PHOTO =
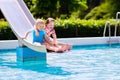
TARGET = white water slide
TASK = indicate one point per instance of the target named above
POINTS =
(20, 20)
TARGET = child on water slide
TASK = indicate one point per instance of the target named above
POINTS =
(41, 38)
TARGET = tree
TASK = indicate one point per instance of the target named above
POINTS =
(107, 9)
(69, 6)
(114, 6)
(29, 3)
(44, 8)
(55, 8)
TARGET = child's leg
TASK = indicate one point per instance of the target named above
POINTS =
(53, 48)
(65, 47)
(69, 47)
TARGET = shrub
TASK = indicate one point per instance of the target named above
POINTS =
(5, 31)
(82, 28)
(101, 12)
(68, 28)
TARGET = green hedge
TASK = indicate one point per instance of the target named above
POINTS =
(82, 28)
(6, 32)
(67, 28)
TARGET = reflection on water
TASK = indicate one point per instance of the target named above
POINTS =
(9, 62)
(86, 63)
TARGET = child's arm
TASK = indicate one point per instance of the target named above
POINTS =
(48, 40)
(54, 37)
(36, 31)
(26, 34)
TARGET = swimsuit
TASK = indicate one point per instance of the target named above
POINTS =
(39, 38)
(49, 31)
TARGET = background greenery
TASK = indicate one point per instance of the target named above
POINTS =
(5, 31)
(74, 18)
(83, 9)
(67, 28)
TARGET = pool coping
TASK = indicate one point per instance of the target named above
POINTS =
(12, 44)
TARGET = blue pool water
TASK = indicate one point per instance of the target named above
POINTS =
(81, 63)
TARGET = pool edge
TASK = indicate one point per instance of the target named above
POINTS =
(12, 44)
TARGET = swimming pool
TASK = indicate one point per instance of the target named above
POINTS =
(96, 62)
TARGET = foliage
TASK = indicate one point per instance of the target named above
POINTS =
(44, 8)
(68, 28)
(73, 27)
(99, 12)
(55, 8)
(5, 31)
(79, 28)
(69, 6)
(84, 9)
(114, 6)
(29, 3)
(106, 10)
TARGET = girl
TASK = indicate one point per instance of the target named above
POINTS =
(50, 31)
(40, 37)
(37, 38)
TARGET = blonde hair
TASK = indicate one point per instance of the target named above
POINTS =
(49, 20)
(36, 25)
(39, 21)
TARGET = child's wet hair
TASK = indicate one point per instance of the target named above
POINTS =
(39, 21)
(48, 20)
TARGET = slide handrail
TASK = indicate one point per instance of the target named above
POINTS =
(117, 21)
(107, 24)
